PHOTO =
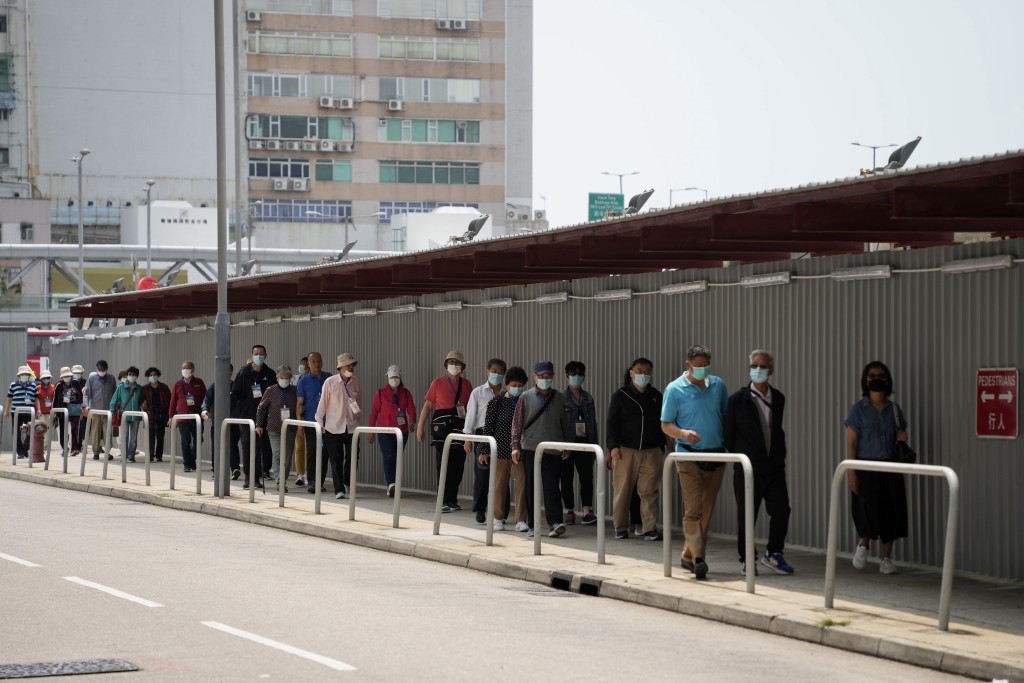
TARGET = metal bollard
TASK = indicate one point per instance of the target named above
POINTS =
(21, 410)
(285, 424)
(90, 426)
(355, 459)
(54, 412)
(174, 442)
(124, 442)
(252, 449)
(600, 473)
(478, 438)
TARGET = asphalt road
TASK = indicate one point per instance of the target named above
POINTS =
(191, 597)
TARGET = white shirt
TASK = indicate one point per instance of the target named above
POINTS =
(476, 410)
(334, 411)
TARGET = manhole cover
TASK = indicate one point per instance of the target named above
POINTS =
(83, 666)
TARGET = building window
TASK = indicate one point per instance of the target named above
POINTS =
(429, 9)
(3, 23)
(342, 8)
(429, 48)
(337, 170)
(302, 210)
(299, 85)
(273, 126)
(428, 130)
(389, 209)
(278, 168)
(430, 172)
(27, 232)
(5, 156)
(457, 90)
(296, 43)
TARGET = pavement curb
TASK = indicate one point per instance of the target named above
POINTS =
(803, 627)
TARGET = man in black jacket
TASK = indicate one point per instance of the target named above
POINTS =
(246, 391)
(753, 426)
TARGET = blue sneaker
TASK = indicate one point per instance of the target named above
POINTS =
(776, 562)
(743, 569)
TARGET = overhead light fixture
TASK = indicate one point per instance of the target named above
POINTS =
(158, 330)
(178, 330)
(614, 295)
(199, 328)
(497, 303)
(365, 312)
(556, 298)
(300, 318)
(406, 308)
(245, 323)
(139, 333)
(123, 335)
(449, 306)
(107, 335)
(685, 287)
(89, 337)
(765, 280)
(270, 321)
(862, 273)
(972, 265)
(332, 315)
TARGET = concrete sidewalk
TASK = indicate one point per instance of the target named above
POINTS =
(893, 617)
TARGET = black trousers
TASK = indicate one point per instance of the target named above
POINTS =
(770, 488)
(456, 466)
(235, 460)
(584, 464)
(189, 445)
(21, 445)
(263, 454)
(550, 474)
(338, 448)
(311, 457)
(156, 441)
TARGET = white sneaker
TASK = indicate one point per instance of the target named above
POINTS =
(340, 495)
(300, 480)
(557, 530)
(522, 526)
(887, 566)
(499, 525)
(860, 557)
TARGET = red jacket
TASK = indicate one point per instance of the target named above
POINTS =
(384, 412)
(183, 388)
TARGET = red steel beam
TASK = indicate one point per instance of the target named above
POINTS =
(975, 202)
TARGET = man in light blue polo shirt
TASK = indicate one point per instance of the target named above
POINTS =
(692, 412)
(308, 391)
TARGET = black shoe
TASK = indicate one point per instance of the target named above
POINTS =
(236, 473)
(688, 566)
(700, 569)
(109, 456)
(245, 485)
(652, 535)
(455, 507)
(622, 534)
(131, 458)
(311, 489)
(481, 518)
(159, 458)
(189, 469)
(95, 456)
(152, 459)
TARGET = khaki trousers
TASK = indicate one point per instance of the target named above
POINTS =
(506, 470)
(700, 490)
(641, 469)
(300, 451)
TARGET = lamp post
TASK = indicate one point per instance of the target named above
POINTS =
(620, 175)
(350, 221)
(697, 189)
(81, 224)
(670, 191)
(149, 234)
(874, 150)
(252, 213)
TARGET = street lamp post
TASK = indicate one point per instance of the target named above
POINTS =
(620, 175)
(81, 224)
(252, 214)
(149, 234)
(874, 150)
(698, 189)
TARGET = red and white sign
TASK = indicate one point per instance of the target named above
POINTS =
(997, 403)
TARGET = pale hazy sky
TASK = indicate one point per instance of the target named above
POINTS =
(741, 96)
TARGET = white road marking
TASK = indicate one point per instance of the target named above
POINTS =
(312, 656)
(113, 591)
(17, 560)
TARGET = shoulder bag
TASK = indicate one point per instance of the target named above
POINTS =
(447, 420)
(902, 452)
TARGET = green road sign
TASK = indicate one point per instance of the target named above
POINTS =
(600, 203)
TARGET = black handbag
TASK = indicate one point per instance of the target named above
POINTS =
(447, 421)
(902, 452)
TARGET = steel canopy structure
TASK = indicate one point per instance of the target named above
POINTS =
(920, 207)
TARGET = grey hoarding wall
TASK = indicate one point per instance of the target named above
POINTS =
(932, 329)
(13, 353)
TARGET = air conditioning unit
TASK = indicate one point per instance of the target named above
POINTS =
(510, 214)
(459, 25)
(280, 184)
(395, 105)
(523, 216)
(300, 184)
(252, 15)
(256, 144)
(308, 146)
(382, 122)
(347, 121)
(292, 146)
(273, 144)
(326, 145)
(462, 124)
(540, 215)
(344, 147)
(326, 101)
(344, 103)
(444, 23)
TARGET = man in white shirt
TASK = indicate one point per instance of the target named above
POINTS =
(476, 412)
(338, 413)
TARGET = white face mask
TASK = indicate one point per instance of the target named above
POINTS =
(101, 373)
(347, 374)
(186, 373)
(454, 369)
(76, 376)
(283, 383)
(395, 382)
(23, 378)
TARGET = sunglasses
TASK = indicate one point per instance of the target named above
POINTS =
(760, 367)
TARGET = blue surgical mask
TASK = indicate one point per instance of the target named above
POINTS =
(515, 391)
(758, 375)
(131, 379)
(258, 360)
(576, 380)
(154, 379)
(302, 369)
(543, 384)
(701, 373)
(641, 380)
(283, 383)
(495, 379)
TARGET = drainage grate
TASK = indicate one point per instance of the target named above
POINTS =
(82, 666)
(544, 591)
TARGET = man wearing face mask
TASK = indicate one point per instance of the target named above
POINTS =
(753, 426)
(156, 401)
(99, 389)
(393, 406)
(309, 391)
(127, 396)
(246, 393)
(692, 414)
(445, 405)
(300, 433)
(22, 393)
(581, 416)
(338, 413)
(539, 417)
(476, 412)
(187, 399)
(68, 395)
(276, 406)
(77, 372)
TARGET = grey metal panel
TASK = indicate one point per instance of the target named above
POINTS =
(932, 329)
(13, 354)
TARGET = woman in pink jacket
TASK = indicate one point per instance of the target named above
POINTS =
(393, 406)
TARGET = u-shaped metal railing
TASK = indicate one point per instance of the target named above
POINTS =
(600, 477)
(667, 488)
(21, 410)
(282, 476)
(54, 412)
(478, 438)
(173, 451)
(138, 438)
(400, 436)
(90, 422)
(952, 481)
(252, 450)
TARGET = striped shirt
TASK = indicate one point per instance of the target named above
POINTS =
(268, 412)
(22, 395)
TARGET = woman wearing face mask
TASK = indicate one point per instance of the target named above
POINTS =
(445, 407)
(276, 406)
(635, 446)
(156, 401)
(21, 394)
(68, 395)
(879, 499)
(76, 377)
(393, 406)
(498, 423)
(127, 396)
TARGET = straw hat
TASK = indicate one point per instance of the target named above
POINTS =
(45, 374)
(65, 372)
(346, 359)
(24, 370)
(78, 370)
(455, 356)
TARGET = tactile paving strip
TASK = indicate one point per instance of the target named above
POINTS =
(82, 666)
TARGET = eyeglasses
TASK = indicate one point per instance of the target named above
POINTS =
(876, 377)
(760, 367)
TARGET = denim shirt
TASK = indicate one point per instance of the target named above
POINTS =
(876, 431)
(584, 409)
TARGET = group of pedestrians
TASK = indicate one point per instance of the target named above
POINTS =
(520, 411)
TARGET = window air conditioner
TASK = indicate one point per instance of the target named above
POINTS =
(280, 184)
(256, 144)
(382, 122)
(395, 105)
(344, 147)
(510, 214)
(252, 15)
(459, 24)
(345, 103)
(308, 146)
(463, 124)
(540, 215)
(326, 145)
(524, 216)
(300, 184)
(273, 144)
(326, 101)
(444, 23)
(292, 145)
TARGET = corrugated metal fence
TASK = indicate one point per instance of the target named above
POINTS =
(13, 352)
(932, 329)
